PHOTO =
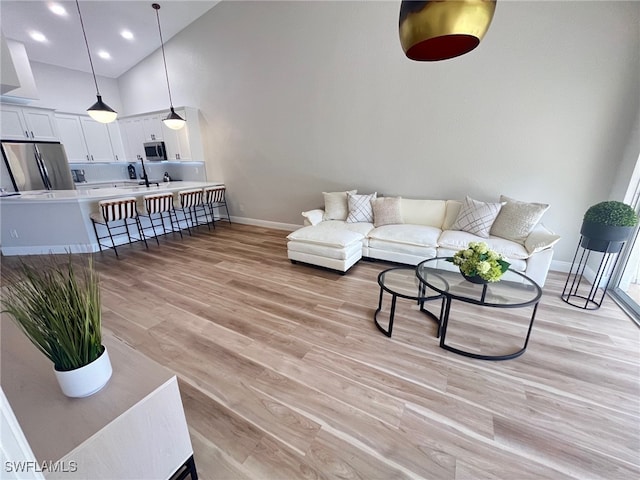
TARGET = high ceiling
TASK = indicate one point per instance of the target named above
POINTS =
(103, 21)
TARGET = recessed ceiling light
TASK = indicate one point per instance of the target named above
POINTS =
(127, 34)
(104, 54)
(37, 36)
(57, 9)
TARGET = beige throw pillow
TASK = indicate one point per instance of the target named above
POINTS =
(386, 211)
(360, 207)
(517, 219)
(476, 217)
(335, 205)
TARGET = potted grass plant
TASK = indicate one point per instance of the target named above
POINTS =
(606, 226)
(58, 308)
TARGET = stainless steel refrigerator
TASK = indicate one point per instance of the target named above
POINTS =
(35, 166)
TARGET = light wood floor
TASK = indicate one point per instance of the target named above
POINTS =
(284, 376)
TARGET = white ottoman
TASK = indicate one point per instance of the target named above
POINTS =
(325, 246)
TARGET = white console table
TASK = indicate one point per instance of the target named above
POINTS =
(134, 428)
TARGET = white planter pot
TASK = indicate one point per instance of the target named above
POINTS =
(87, 380)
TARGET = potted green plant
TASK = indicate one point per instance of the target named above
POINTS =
(606, 226)
(479, 264)
(57, 306)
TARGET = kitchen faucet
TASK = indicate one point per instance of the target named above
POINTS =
(144, 174)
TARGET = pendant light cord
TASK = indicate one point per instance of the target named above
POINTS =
(86, 42)
(166, 73)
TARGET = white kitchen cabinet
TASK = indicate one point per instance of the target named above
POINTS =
(177, 141)
(116, 141)
(133, 137)
(26, 123)
(98, 142)
(184, 144)
(153, 128)
(84, 139)
(72, 138)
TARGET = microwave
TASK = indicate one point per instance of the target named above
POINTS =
(155, 151)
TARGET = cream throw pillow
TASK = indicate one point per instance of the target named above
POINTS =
(386, 211)
(517, 219)
(335, 205)
(360, 207)
(476, 217)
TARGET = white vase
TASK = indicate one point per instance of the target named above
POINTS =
(87, 380)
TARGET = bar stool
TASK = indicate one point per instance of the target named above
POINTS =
(116, 215)
(156, 206)
(190, 202)
(214, 197)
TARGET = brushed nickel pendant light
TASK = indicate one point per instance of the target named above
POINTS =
(99, 111)
(441, 29)
(173, 121)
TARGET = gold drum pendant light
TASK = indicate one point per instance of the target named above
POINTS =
(99, 111)
(442, 29)
(173, 121)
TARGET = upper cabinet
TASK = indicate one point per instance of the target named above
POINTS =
(133, 138)
(27, 123)
(153, 128)
(86, 140)
(184, 144)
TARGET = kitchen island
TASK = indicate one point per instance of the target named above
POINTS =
(58, 221)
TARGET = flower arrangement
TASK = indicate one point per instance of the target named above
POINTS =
(479, 260)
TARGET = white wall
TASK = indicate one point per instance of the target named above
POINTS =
(301, 97)
(72, 91)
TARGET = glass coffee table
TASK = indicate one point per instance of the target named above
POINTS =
(514, 290)
(402, 282)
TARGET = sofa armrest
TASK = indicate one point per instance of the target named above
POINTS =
(313, 217)
(541, 238)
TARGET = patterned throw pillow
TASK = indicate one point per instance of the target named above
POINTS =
(360, 207)
(517, 219)
(476, 217)
(386, 211)
(335, 205)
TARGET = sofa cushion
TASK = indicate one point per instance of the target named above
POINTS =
(453, 208)
(327, 233)
(422, 235)
(324, 250)
(335, 205)
(458, 240)
(423, 212)
(540, 239)
(476, 217)
(360, 209)
(516, 219)
(399, 252)
(313, 217)
(386, 211)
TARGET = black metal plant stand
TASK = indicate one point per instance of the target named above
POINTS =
(579, 298)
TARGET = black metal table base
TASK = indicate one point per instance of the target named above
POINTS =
(420, 299)
(508, 356)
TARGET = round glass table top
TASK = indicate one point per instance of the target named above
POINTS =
(401, 281)
(513, 289)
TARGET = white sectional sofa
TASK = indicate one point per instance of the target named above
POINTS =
(409, 231)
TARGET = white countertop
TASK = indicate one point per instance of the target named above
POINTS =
(52, 196)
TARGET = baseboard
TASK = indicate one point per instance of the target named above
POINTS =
(47, 249)
(290, 227)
